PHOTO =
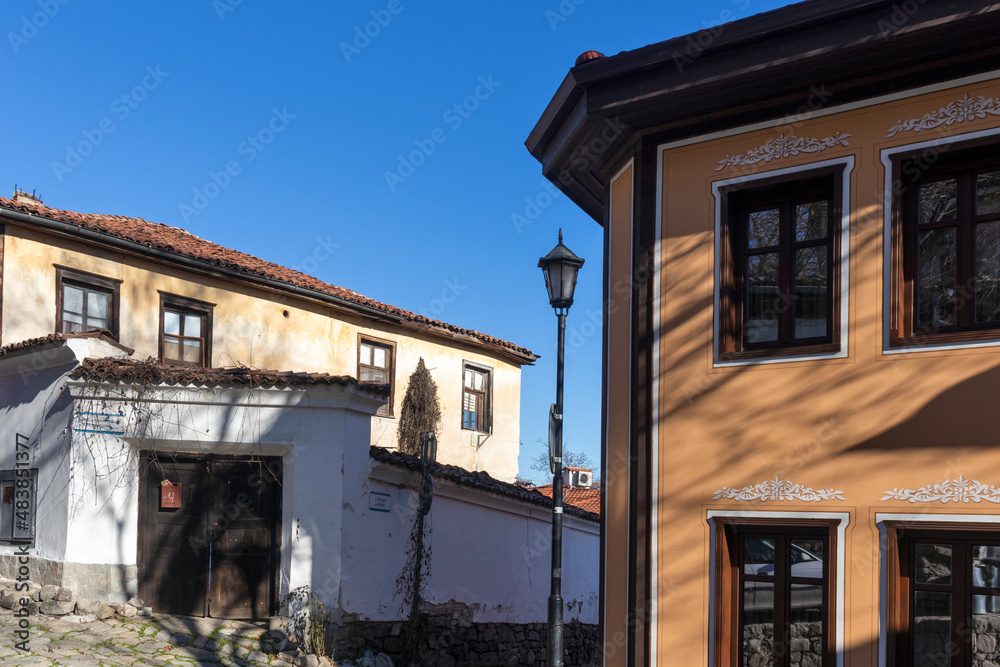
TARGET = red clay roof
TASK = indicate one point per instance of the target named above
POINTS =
(184, 244)
(587, 499)
(116, 371)
(477, 480)
(58, 338)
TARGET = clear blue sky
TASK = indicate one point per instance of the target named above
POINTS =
(130, 108)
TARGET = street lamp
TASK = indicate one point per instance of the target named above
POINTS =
(560, 268)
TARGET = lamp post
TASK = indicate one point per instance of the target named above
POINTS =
(560, 267)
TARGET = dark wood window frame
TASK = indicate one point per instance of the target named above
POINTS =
(901, 538)
(188, 306)
(484, 420)
(784, 191)
(92, 283)
(909, 170)
(729, 579)
(390, 348)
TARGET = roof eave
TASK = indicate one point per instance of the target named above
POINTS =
(82, 234)
(770, 62)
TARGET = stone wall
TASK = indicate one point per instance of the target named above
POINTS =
(447, 643)
(108, 583)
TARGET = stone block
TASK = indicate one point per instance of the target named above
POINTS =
(98, 582)
(56, 608)
(64, 595)
(8, 599)
(104, 611)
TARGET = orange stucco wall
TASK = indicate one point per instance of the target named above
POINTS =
(862, 424)
(616, 455)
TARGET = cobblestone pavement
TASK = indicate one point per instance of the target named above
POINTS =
(165, 640)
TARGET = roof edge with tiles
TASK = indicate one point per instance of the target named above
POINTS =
(480, 481)
(163, 242)
(130, 371)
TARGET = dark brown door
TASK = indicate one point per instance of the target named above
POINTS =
(216, 554)
(242, 521)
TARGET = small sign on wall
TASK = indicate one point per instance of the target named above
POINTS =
(379, 502)
(170, 496)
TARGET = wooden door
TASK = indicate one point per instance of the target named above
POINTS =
(243, 522)
(173, 549)
(217, 554)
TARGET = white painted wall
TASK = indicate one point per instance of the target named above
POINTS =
(490, 553)
(88, 483)
(35, 402)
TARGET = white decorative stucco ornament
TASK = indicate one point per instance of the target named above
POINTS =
(778, 490)
(783, 147)
(959, 490)
(959, 111)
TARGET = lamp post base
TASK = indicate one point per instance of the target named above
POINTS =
(554, 649)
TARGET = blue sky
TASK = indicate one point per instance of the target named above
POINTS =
(279, 130)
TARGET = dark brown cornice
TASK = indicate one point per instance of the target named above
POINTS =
(768, 66)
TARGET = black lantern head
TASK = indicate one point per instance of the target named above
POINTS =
(560, 268)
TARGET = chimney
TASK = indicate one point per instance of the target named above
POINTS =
(581, 477)
(23, 197)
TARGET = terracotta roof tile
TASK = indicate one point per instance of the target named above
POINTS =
(476, 480)
(586, 498)
(147, 372)
(51, 338)
(179, 242)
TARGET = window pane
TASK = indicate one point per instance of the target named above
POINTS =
(97, 305)
(936, 278)
(985, 629)
(192, 351)
(379, 357)
(806, 624)
(72, 322)
(366, 354)
(986, 566)
(938, 201)
(931, 629)
(807, 558)
(932, 563)
(811, 220)
(373, 375)
(763, 302)
(763, 229)
(171, 323)
(468, 379)
(171, 348)
(758, 624)
(811, 291)
(192, 326)
(480, 381)
(988, 193)
(758, 556)
(72, 299)
(988, 271)
(469, 420)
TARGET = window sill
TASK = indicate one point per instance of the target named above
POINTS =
(938, 342)
(774, 356)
